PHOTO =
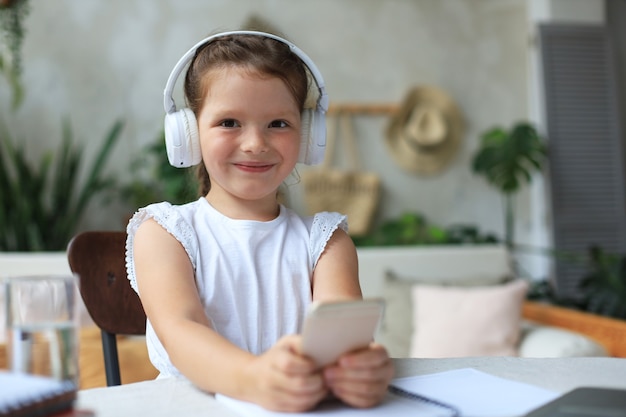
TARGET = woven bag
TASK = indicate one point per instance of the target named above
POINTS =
(352, 191)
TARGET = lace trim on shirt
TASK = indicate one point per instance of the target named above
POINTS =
(166, 216)
(324, 225)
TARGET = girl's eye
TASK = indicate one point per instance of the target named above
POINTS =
(229, 123)
(279, 123)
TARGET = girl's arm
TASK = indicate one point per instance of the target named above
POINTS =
(359, 378)
(279, 379)
(336, 275)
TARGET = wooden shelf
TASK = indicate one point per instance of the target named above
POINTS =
(369, 109)
(609, 332)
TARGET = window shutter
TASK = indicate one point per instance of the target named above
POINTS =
(584, 144)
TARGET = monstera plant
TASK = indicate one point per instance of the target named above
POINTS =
(507, 159)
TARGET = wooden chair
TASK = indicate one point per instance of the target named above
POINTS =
(98, 258)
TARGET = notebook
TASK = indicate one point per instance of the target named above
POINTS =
(464, 392)
(585, 401)
(28, 395)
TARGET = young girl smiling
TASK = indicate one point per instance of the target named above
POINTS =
(226, 280)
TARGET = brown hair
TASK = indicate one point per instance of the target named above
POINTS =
(259, 54)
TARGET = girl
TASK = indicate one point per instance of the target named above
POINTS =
(226, 280)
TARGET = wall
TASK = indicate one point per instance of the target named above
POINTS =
(97, 61)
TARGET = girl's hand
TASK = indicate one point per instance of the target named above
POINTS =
(361, 378)
(285, 380)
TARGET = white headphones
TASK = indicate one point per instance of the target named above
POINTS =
(181, 128)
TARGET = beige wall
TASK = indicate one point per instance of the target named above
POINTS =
(95, 61)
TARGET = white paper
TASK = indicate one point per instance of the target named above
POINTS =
(479, 394)
(474, 393)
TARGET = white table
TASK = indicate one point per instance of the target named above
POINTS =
(177, 397)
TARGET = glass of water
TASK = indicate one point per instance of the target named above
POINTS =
(41, 325)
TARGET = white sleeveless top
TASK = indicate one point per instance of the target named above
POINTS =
(254, 278)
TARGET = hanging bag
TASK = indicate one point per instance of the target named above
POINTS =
(351, 191)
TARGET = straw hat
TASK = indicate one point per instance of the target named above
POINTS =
(426, 132)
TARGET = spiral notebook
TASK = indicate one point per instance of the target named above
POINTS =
(28, 395)
(460, 392)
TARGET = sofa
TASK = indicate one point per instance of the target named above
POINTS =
(393, 273)
(459, 300)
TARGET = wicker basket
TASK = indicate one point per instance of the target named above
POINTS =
(352, 191)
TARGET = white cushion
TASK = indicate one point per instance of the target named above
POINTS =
(552, 342)
(467, 321)
(397, 324)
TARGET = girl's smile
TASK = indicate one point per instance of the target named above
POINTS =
(253, 167)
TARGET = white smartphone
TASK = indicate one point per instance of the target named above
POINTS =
(332, 328)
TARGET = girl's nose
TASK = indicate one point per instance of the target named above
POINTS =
(254, 140)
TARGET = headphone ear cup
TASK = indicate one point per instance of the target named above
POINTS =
(313, 137)
(182, 141)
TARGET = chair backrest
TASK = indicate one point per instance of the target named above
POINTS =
(98, 258)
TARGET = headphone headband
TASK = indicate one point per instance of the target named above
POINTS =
(168, 100)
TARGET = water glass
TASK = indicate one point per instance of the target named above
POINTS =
(41, 325)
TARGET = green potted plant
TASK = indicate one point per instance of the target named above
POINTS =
(155, 180)
(507, 159)
(41, 205)
(414, 229)
(604, 285)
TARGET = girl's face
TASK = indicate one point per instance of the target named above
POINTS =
(249, 129)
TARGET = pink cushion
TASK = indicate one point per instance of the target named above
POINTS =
(467, 321)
